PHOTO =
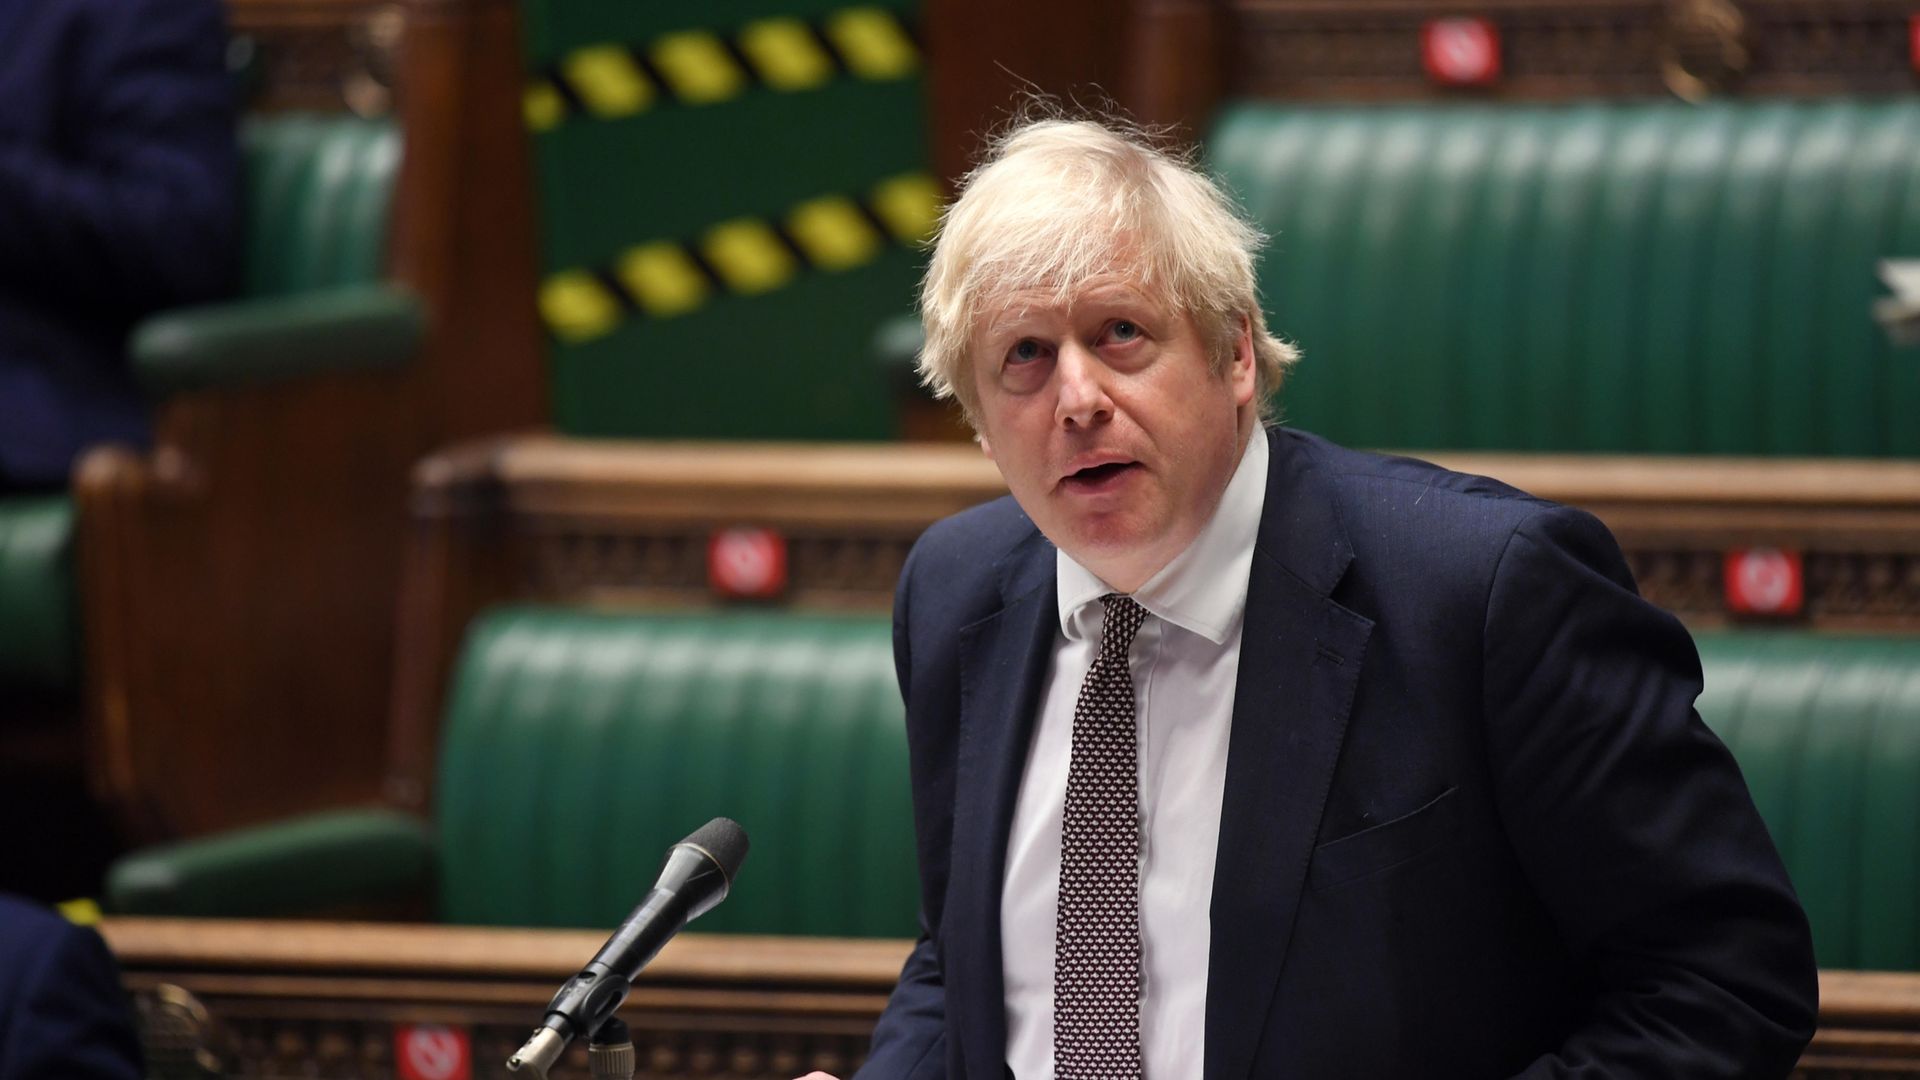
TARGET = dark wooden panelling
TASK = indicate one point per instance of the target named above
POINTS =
(983, 54)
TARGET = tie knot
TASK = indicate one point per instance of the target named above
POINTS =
(1124, 616)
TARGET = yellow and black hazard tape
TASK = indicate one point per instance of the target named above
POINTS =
(744, 256)
(701, 67)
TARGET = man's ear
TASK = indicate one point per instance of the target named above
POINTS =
(1243, 374)
(985, 446)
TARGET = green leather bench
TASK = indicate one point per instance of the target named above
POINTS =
(318, 190)
(577, 747)
(1827, 731)
(1630, 277)
(39, 638)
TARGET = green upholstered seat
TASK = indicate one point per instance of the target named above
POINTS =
(39, 641)
(578, 746)
(318, 192)
(1827, 732)
(1624, 277)
(319, 864)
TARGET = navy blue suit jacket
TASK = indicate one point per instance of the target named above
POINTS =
(1472, 826)
(119, 196)
(63, 1013)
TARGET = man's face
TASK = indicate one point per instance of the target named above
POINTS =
(1110, 428)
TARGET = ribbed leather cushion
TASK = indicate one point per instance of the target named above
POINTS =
(1651, 277)
(1827, 732)
(580, 745)
(318, 190)
(39, 632)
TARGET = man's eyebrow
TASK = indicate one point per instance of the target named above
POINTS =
(1119, 292)
(1005, 321)
(1014, 316)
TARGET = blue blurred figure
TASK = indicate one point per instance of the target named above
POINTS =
(63, 1012)
(119, 196)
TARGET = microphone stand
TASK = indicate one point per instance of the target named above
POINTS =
(698, 874)
(610, 1052)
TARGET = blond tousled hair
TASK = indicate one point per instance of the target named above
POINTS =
(1056, 202)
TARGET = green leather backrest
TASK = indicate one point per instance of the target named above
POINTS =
(39, 641)
(318, 191)
(1827, 731)
(1654, 277)
(580, 745)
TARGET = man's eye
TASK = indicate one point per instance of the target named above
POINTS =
(1123, 331)
(1026, 352)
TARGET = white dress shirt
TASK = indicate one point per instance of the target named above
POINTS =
(1184, 662)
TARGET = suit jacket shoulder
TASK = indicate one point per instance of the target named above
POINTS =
(1423, 531)
(1382, 493)
(63, 1013)
(980, 553)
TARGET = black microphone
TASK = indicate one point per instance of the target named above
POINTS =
(698, 872)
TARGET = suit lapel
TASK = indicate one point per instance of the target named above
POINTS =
(1300, 658)
(1003, 661)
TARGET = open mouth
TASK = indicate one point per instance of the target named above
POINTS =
(1098, 477)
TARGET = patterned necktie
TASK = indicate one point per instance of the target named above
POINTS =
(1096, 979)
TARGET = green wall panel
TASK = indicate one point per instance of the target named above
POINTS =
(778, 346)
(754, 367)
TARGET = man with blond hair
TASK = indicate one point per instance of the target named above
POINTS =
(1239, 754)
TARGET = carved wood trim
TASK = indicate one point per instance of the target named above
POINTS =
(310, 51)
(303, 998)
(1364, 50)
(300, 998)
(626, 523)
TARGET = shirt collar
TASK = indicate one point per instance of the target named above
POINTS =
(1204, 588)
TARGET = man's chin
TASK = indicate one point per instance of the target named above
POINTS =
(1107, 540)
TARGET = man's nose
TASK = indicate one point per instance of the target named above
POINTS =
(1082, 396)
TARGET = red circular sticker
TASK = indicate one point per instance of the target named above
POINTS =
(432, 1052)
(1764, 581)
(747, 562)
(1461, 52)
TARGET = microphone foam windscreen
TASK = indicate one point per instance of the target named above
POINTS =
(725, 840)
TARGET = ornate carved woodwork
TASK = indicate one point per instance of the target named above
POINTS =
(261, 999)
(1362, 50)
(608, 523)
(317, 55)
(265, 1000)
(573, 521)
